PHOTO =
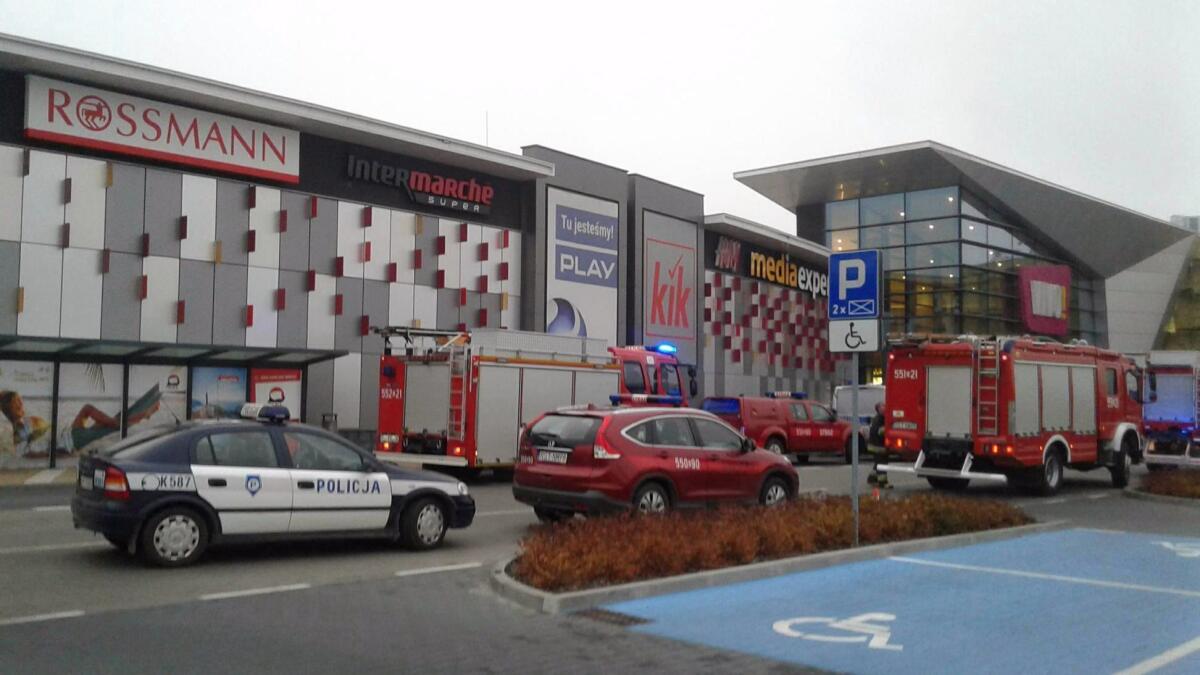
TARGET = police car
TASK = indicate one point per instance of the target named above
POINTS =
(168, 493)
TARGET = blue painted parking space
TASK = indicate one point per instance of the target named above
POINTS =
(1076, 601)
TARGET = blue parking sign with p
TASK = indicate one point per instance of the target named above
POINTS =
(854, 285)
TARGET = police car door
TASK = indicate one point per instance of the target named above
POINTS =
(238, 473)
(334, 485)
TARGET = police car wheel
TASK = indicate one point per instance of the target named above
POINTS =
(423, 525)
(174, 537)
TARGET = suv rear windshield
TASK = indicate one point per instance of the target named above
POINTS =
(564, 430)
(722, 406)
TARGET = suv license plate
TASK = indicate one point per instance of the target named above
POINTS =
(551, 457)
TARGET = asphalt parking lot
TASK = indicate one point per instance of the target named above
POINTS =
(70, 597)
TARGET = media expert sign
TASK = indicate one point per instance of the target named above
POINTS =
(732, 255)
(854, 285)
(1044, 298)
(95, 118)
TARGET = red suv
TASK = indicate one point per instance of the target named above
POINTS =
(652, 459)
(787, 424)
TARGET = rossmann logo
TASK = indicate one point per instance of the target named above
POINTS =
(669, 296)
(729, 255)
(428, 189)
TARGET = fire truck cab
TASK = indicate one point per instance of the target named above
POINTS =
(1171, 422)
(1016, 409)
(460, 399)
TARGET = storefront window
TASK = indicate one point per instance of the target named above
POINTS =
(934, 203)
(882, 209)
(841, 215)
(843, 240)
(929, 231)
(932, 255)
(882, 236)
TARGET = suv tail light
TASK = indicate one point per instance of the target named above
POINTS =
(115, 485)
(600, 448)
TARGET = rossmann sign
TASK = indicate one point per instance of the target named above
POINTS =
(731, 255)
(85, 116)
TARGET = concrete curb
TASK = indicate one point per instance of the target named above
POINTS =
(560, 603)
(1161, 499)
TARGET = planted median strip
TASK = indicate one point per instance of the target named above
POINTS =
(602, 552)
(1182, 483)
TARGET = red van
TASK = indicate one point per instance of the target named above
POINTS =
(787, 423)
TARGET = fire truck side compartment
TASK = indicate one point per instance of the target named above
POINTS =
(427, 397)
(1026, 392)
(948, 413)
(544, 389)
(497, 421)
(596, 386)
(1056, 398)
(1083, 399)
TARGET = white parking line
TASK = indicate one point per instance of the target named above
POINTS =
(56, 507)
(1100, 495)
(1169, 656)
(70, 614)
(50, 547)
(1182, 592)
(442, 568)
(513, 512)
(254, 591)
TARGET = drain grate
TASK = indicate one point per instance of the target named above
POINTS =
(614, 618)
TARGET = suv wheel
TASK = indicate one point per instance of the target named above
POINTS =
(173, 537)
(652, 498)
(776, 446)
(774, 492)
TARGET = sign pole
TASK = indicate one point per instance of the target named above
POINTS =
(854, 441)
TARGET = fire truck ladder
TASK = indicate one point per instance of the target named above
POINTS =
(459, 356)
(987, 388)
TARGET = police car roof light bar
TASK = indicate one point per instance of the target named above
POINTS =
(665, 348)
(621, 399)
(275, 414)
(799, 395)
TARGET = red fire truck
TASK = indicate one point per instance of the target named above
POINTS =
(460, 399)
(1172, 420)
(1020, 409)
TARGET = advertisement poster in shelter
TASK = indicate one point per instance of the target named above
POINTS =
(26, 389)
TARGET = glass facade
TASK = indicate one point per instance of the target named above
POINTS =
(1181, 330)
(950, 262)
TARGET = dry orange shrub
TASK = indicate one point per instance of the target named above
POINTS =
(1178, 483)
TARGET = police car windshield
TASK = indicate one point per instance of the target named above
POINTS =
(138, 445)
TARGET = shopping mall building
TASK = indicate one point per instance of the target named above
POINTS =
(171, 247)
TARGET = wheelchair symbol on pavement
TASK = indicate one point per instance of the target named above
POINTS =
(1181, 550)
(876, 636)
(853, 339)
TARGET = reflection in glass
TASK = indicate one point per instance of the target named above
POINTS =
(843, 240)
(882, 236)
(973, 231)
(882, 209)
(998, 237)
(929, 231)
(932, 255)
(841, 215)
(933, 203)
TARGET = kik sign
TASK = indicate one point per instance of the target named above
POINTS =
(670, 280)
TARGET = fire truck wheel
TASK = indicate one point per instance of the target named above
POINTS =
(423, 525)
(551, 515)
(948, 484)
(1124, 464)
(775, 445)
(1050, 477)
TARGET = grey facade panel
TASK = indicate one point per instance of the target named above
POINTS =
(318, 384)
(121, 310)
(292, 327)
(196, 292)
(10, 266)
(491, 302)
(164, 207)
(426, 242)
(125, 209)
(346, 327)
(293, 244)
(233, 221)
(375, 306)
(447, 308)
(368, 406)
(229, 304)
(322, 238)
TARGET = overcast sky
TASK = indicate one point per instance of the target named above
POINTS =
(1099, 96)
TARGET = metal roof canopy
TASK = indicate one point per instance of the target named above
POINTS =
(1102, 237)
(766, 237)
(120, 351)
(22, 54)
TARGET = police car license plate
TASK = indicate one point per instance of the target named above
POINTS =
(552, 457)
(85, 481)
